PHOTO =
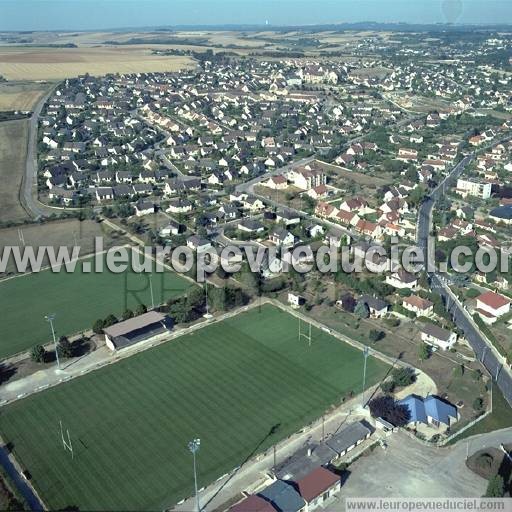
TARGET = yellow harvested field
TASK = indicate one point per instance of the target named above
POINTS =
(21, 96)
(58, 63)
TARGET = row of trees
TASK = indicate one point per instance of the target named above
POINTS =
(65, 350)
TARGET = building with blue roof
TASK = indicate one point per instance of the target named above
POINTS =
(283, 497)
(430, 411)
(502, 214)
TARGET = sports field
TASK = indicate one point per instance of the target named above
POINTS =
(228, 384)
(77, 298)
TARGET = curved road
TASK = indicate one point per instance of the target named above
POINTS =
(28, 191)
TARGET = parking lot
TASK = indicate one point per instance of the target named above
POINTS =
(407, 468)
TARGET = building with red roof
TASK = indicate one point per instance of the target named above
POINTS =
(318, 486)
(492, 306)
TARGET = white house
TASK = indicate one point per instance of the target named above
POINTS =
(402, 279)
(491, 306)
(197, 243)
(435, 336)
(419, 306)
(295, 300)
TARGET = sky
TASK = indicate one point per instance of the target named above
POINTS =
(106, 14)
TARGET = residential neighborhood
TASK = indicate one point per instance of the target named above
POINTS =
(260, 265)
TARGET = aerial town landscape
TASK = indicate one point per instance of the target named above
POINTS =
(221, 367)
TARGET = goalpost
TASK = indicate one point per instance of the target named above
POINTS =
(66, 444)
(307, 333)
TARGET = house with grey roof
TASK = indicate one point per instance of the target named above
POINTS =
(350, 437)
(283, 497)
(136, 329)
(302, 462)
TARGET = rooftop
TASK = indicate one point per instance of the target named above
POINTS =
(134, 324)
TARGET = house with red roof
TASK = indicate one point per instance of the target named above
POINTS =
(491, 306)
(318, 486)
(278, 182)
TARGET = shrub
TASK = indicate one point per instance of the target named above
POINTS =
(98, 326)
(110, 320)
(403, 376)
(38, 354)
(478, 404)
(386, 407)
(392, 322)
(127, 314)
(64, 348)
(141, 309)
(375, 335)
(388, 386)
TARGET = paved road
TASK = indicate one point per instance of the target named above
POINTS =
(483, 348)
(28, 192)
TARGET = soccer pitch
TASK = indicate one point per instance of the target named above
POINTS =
(77, 298)
(228, 383)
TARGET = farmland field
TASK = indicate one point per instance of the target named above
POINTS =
(21, 95)
(58, 233)
(13, 146)
(78, 299)
(50, 63)
(228, 384)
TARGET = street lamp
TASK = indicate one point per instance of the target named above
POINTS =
(193, 446)
(50, 319)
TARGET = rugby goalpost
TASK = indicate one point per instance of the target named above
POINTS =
(66, 443)
(307, 331)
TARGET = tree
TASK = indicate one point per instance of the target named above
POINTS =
(403, 376)
(110, 320)
(64, 348)
(38, 354)
(495, 487)
(387, 408)
(423, 352)
(361, 310)
(348, 303)
(478, 404)
(98, 326)
(388, 386)
(141, 309)
(217, 299)
(375, 335)
(127, 314)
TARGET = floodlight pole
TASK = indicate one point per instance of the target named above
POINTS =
(206, 292)
(193, 446)
(366, 352)
(151, 290)
(50, 319)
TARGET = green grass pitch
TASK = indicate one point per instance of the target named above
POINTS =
(228, 384)
(77, 298)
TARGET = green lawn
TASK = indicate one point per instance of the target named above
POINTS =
(77, 298)
(228, 384)
(500, 417)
